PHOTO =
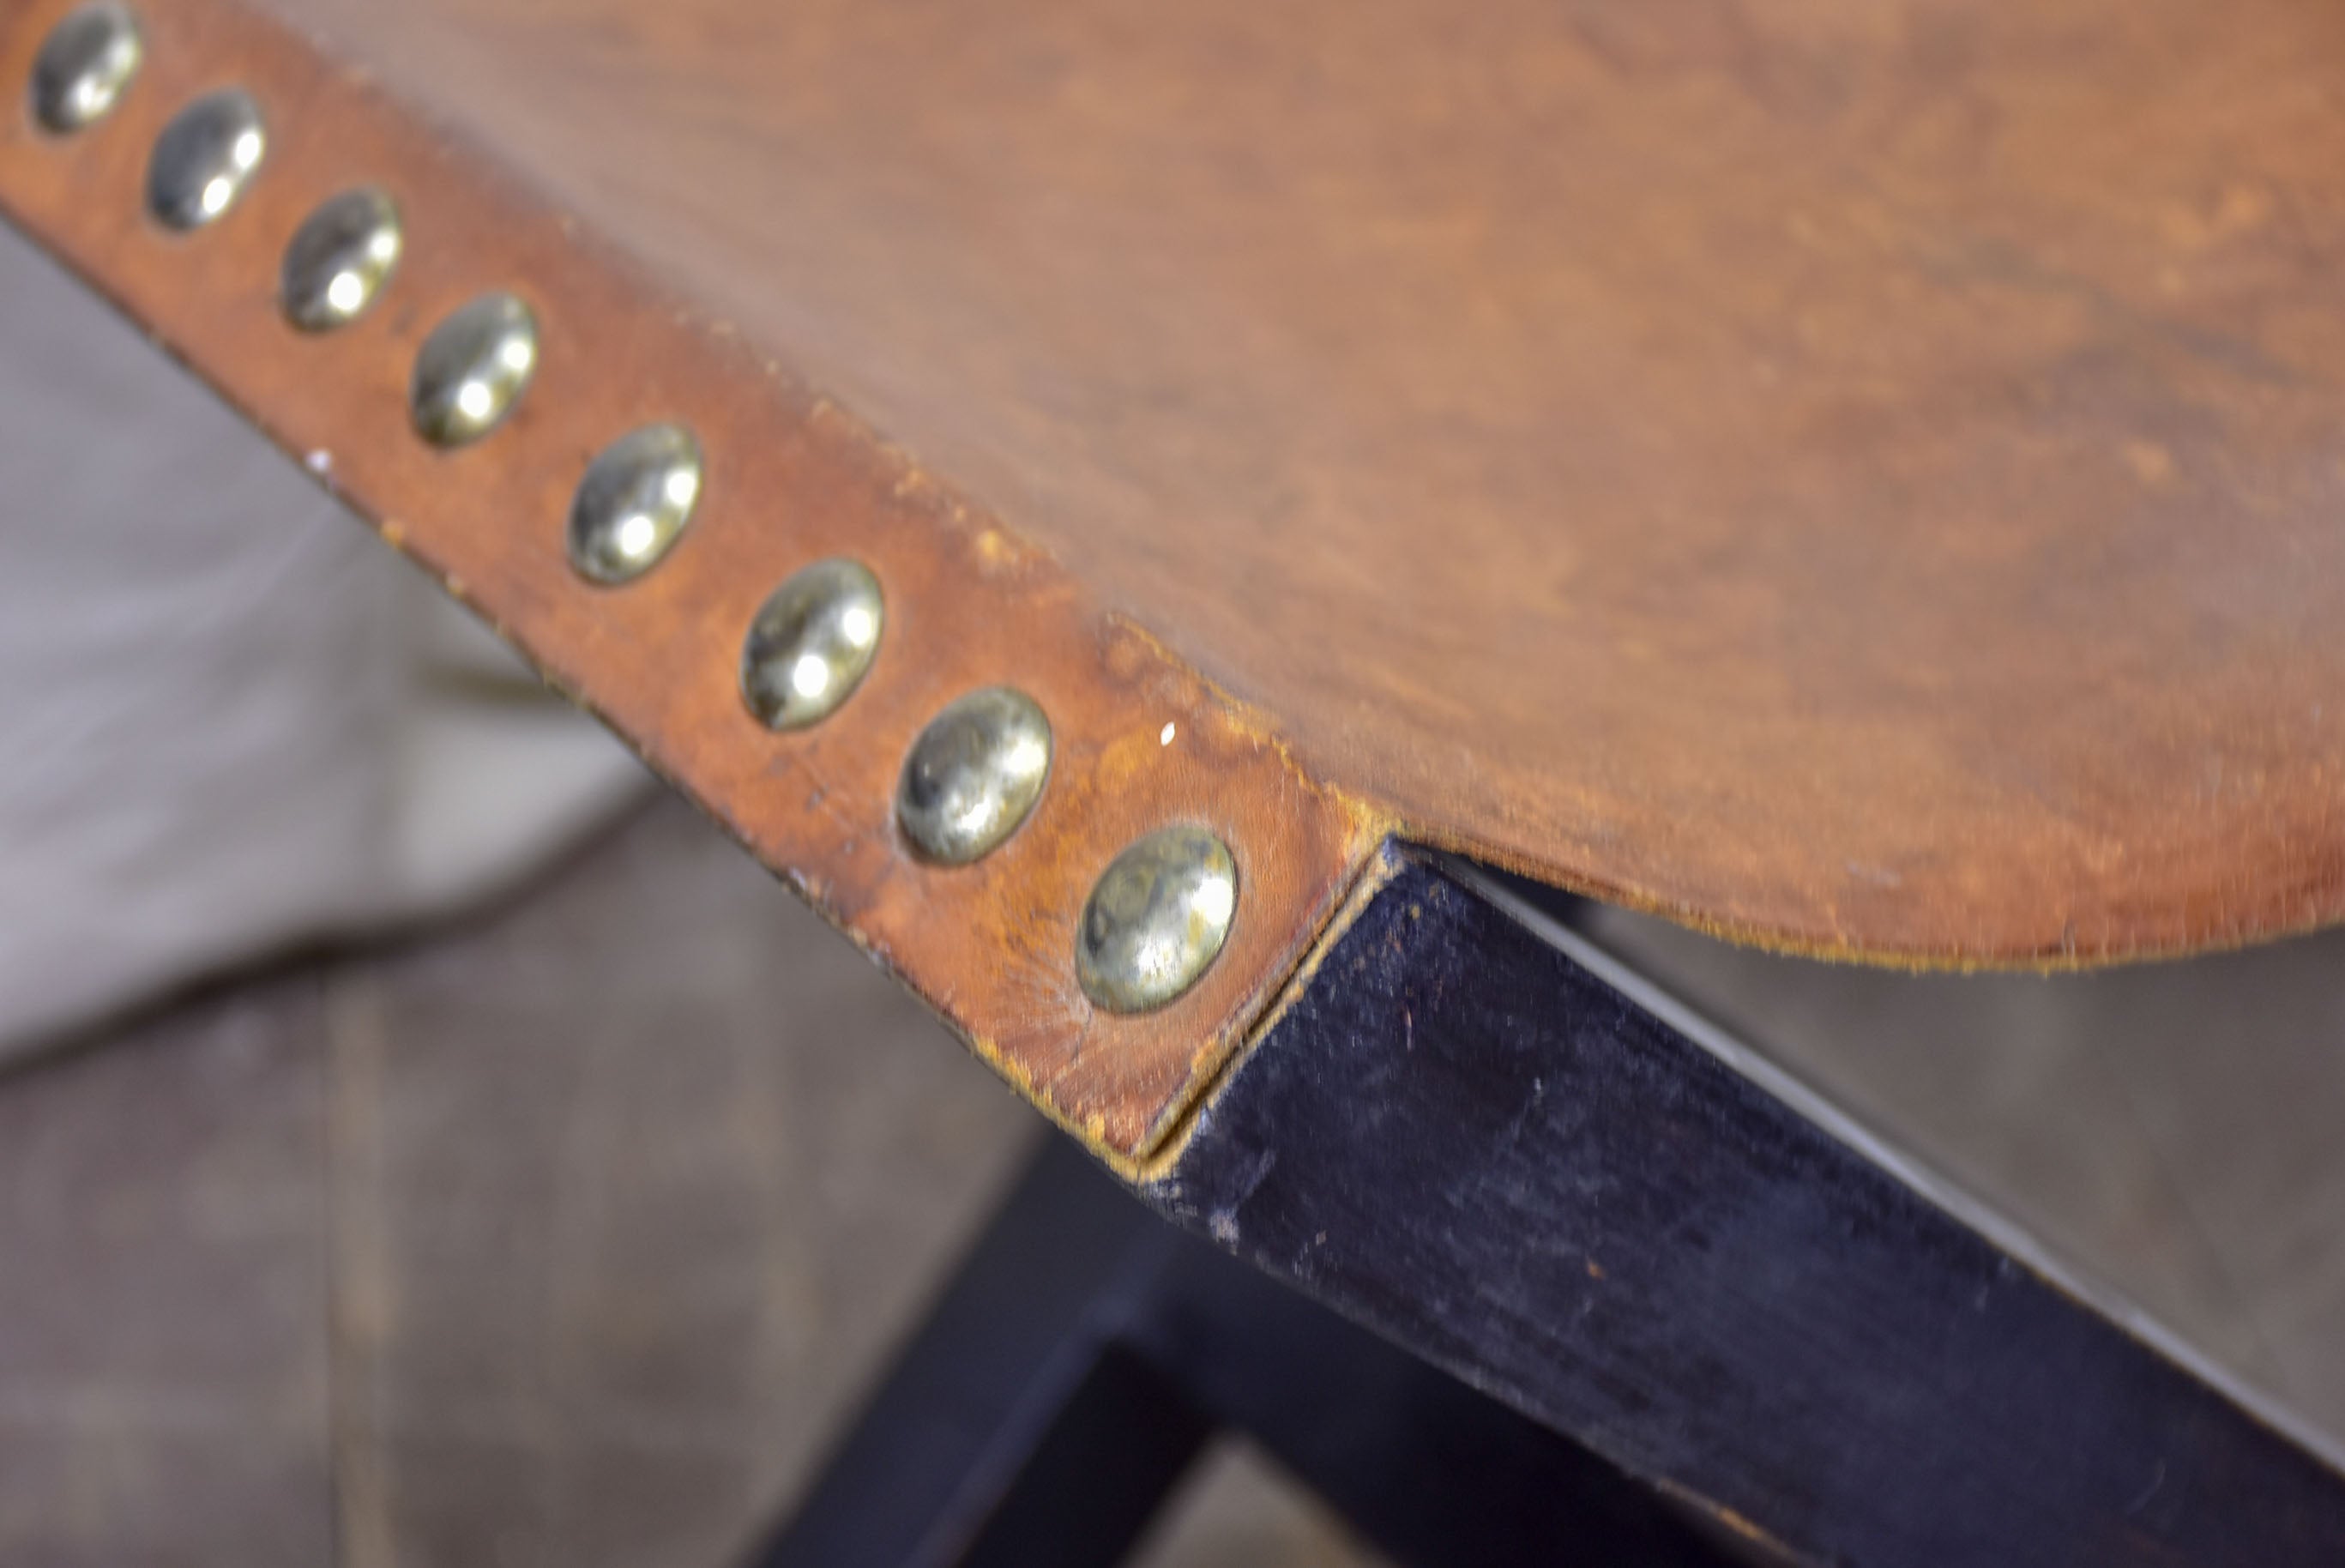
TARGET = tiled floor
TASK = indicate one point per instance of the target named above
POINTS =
(562, 1240)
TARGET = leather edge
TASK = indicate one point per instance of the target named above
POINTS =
(793, 478)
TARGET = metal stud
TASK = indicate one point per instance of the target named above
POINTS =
(83, 65)
(810, 644)
(1156, 920)
(974, 774)
(635, 500)
(339, 260)
(205, 158)
(472, 370)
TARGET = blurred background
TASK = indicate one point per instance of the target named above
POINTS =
(423, 1142)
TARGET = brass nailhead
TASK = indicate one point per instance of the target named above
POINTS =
(635, 500)
(205, 158)
(811, 643)
(85, 65)
(1156, 920)
(472, 370)
(339, 260)
(973, 775)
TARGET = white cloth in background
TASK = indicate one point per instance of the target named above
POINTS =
(231, 720)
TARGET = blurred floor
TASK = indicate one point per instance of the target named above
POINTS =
(565, 1238)
(568, 1237)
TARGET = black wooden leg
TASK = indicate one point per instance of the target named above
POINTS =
(1007, 1390)
(1085, 1353)
(1427, 1469)
(1085, 1491)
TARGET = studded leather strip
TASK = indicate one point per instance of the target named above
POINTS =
(1141, 743)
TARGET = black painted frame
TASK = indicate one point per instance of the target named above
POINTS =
(1085, 1353)
(1467, 1138)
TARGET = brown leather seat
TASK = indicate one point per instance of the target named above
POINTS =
(1859, 477)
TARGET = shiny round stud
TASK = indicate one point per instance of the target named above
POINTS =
(339, 260)
(205, 158)
(472, 370)
(1156, 920)
(637, 497)
(84, 65)
(810, 644)
(973, 775)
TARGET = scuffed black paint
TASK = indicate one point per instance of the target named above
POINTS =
(1467, 1141)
